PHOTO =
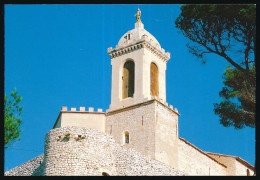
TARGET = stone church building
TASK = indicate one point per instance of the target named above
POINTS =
(137, 135)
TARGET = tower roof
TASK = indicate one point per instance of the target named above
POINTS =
(136, 35)
(138, 38)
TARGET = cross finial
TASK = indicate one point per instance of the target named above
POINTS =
(138, 15)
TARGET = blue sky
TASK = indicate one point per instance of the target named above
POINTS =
(56, 55)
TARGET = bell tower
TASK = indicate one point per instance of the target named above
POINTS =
(138, 68)
(139, 116)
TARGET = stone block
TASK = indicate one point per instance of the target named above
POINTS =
(73, 109)
(100, 110)
(109, 49)
(64, 108)
(90, 109)
(82, 109)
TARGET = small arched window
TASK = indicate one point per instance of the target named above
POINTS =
(154, 80)
(127, 137)
(128, 79)
(105, 174)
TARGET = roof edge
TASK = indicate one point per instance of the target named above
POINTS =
(236, 157)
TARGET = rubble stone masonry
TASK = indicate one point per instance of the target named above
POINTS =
(84, 151)
(27, 168)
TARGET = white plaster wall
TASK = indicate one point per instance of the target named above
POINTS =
(83, 119)
(149, 57)
(142, 59)
(58, 124)
(117, 73)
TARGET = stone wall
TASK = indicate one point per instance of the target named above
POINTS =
(90, 152)
(139, 122)
(84, 152)
(87, 151)
(26, 169)
(152, 127)
(194, 162)
(166, 135)
(152, 149)
(132, 163)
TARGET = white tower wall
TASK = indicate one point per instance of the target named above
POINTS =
(141, 47)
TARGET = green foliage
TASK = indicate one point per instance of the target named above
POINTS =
(221, 29)
(67, 136)
(80, 138)
(230, 32)
(238, 87)
(13, 119)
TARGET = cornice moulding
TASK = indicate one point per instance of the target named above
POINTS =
(119, 51)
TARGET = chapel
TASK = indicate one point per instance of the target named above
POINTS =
(137, 135)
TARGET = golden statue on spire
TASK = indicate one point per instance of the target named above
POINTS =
(138, 15)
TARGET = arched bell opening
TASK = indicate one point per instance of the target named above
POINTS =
(128, 79)
(154, 84)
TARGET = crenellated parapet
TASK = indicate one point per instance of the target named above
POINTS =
(169, 106)
(81, 109)
(81, 118)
